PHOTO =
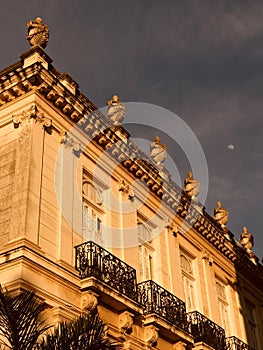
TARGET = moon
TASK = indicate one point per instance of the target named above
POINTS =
(231, 147)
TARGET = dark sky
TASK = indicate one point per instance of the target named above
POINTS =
(202, 60)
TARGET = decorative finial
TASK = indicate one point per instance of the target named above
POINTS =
(37, 33)
(246, 239)
(158, 151)
(221, 214)
(191, 186)
(116, 110)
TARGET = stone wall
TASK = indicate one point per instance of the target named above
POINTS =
(7, 175)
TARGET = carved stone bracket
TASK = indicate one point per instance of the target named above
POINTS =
(126, 322)
(151, 335)
(89, 300)
(126, 189)
(179, 346)
(32, 113)
(70, 143)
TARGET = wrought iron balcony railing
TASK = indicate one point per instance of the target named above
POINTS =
(157, 300)
(233, 343)
(93, 260)
(205, 330)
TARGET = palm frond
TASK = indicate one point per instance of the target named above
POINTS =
(85, 333)
(20, 321)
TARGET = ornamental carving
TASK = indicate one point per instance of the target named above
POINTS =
(221, 215)
(180, 346)
(158, 151)
(32, 113)
(124, 188)
(246, 239)
(207, 256)
(126, 321)
(116, 110)
(171, 227)
(37, 33)
(89, 301)
(22, 170)
(70, 143)
(151, 335)
(191, 186)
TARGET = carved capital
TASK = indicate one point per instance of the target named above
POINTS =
(89, 301)
(70, 143)
(151, 335)
(24, 117)
(126, 321)
(124, 188)
(44, 121)
(171, 227)
(31, 113)
(208, 257)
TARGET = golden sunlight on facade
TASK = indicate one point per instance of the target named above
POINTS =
(86, 222)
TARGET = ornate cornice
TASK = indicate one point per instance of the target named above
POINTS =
(59, 89)
(62, 92)
(250, 268)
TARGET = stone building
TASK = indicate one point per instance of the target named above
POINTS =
(78, 228)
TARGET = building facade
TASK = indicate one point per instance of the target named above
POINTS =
(87, 222)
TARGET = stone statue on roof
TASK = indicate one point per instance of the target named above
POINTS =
(158, 151)
(37, 33)
(191, 186)
(116, 110)
(221, 215)
(246, 239)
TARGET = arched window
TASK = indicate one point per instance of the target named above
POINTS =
(91, 193)
(144, 232)
(186, 264)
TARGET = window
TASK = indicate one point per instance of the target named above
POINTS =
(146, 272)
(93, 211)
(188, 281)
(251, 324)
(223, 306)
(145, 250)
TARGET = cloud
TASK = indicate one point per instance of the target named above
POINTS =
(201, 59)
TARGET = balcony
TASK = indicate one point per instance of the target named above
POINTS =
(95, 261)
(157, 300)
(233, 343)
(206, 331)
